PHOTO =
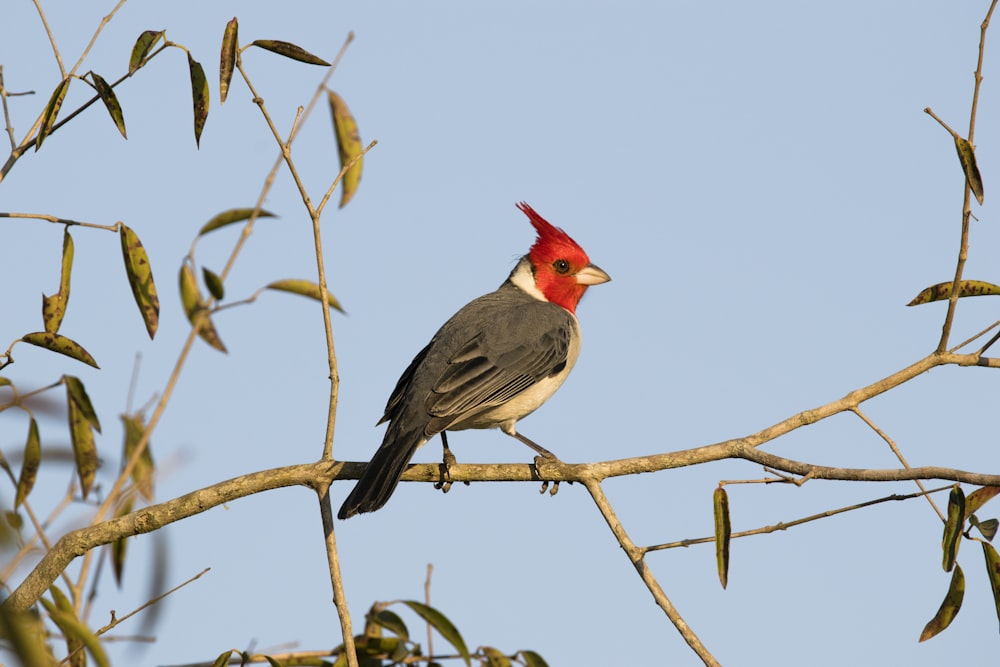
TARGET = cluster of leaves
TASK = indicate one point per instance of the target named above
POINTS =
(26, 632)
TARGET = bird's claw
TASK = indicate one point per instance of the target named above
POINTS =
(539, 462)
(545, 487)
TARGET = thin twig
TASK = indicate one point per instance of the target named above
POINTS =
(899, 455)
(635, 555)
(783, 525)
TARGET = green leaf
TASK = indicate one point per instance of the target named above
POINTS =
(289, 50)
(953, 527)
(532, 659)
(107, 95)
(391, 622)
(439, 622)
(967, 156)
(73, 629)
(84, 448)
(61, 344)
(120, 546)
(52, 111)
(227, 59)
(195, 309)
(988, 528)
(142, 48)
(942, 291)
(223, 659)
(993, 573)
(144, 470)
(494, 657)
(140, 279)
(949, 607)
(723, 531)
(54, 307)
(29, 466)
(348, 146)
(231, 216)
(214, 283)
(199, 97)
(304, 288)
(76, 392)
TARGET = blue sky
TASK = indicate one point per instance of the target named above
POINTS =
(759, 180)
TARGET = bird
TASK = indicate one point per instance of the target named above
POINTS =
(498, 359)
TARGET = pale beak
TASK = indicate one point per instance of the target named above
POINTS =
(591, 275)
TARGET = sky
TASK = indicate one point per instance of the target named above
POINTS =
(760, 181)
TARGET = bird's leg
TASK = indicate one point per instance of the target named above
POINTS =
(447, 461)
(544, 456)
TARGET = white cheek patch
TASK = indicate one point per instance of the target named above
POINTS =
(524, 277)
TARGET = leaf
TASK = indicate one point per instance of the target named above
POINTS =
(54, 307)
(993, 573)
(142, 48)
(978, 498)
(195, 309)
(199, 97)
(227, 59)
(61, 344)
(495, 657)
(348, 146)
(988, 528)
(140, 279)
(84, 449)
(120, 546)
(24, 636)
(62, 605)
(532, 659)
(439, 622)
(29, 466)
(223, 659)
(289, 50)
(231, 216)
(391, 622)
(144, 469)
(214, 283)
(51, 111)
(953, 527)
(723, 530)
(107, 95)
(4, 382)
(272, 662)
(949, 607)
(942, 291)
(76, 391)
(304, 288)
(967, 156)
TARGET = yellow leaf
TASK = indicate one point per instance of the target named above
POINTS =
(227, 59)
(949, 606)
(61, 344)
(348, 146)
(942, 291)
(304, 288)
(723, 531)
(967, 156)
(140, 279)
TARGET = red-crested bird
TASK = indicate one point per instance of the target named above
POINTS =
(495, 361)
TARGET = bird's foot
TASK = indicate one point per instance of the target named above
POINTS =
(542, 460)
(447, 461)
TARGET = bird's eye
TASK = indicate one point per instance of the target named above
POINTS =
(561, 266)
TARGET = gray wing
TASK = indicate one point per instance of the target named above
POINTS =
(498, 364)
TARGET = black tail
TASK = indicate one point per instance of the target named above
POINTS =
(380, 478)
